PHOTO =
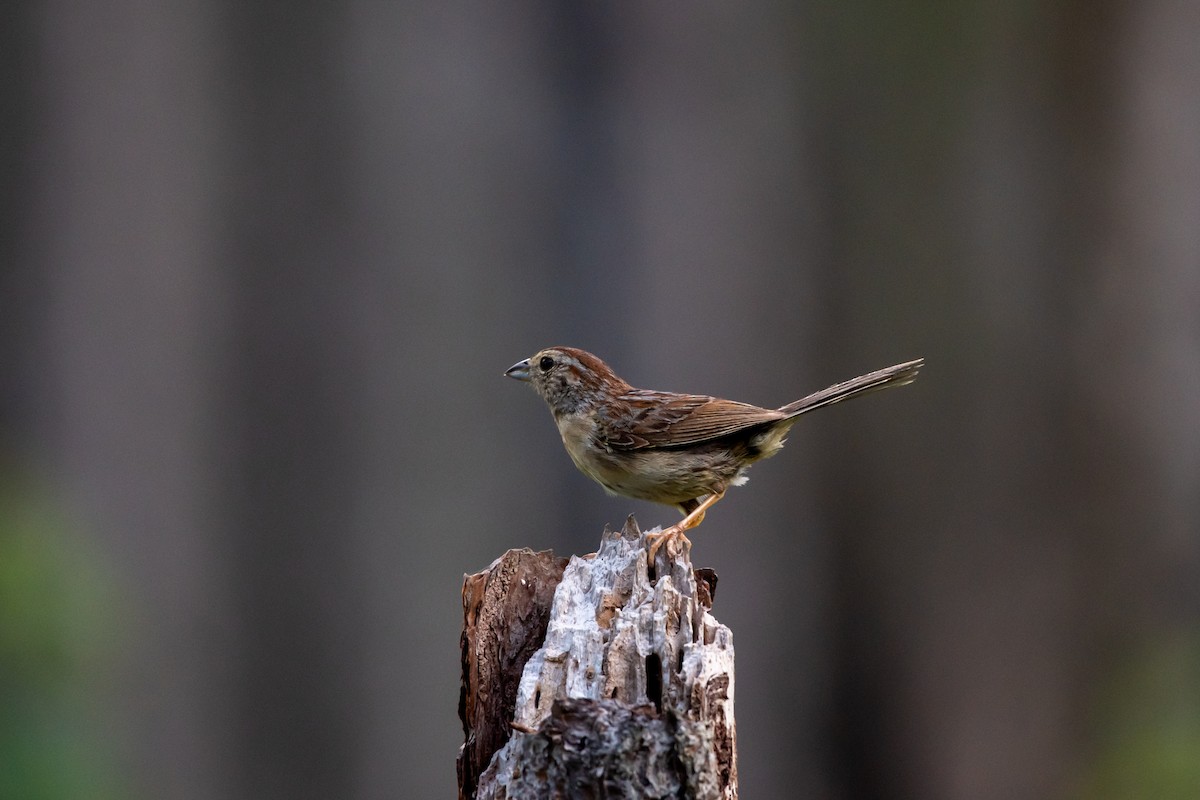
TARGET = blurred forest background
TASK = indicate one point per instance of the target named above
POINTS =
(264, 264)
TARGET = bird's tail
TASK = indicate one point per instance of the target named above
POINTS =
(898, 375)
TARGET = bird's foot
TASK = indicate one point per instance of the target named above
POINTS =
(691, 519)
(657, 540)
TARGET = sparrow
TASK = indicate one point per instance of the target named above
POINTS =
(682, 450)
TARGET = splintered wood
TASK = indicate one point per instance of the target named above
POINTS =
(622, 686)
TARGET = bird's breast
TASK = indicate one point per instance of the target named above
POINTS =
(577, 432)
(661, 476)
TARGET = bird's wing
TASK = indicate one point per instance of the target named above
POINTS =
(644, 419)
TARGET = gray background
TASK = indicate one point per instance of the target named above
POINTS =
(264, 264)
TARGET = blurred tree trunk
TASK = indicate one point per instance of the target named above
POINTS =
(1002, 161)
(124, 342)
(299, 598)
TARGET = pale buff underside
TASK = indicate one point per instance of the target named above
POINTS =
(660, 475)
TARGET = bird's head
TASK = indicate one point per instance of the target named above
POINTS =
(568, 379)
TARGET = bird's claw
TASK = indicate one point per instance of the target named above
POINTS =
(657, 540)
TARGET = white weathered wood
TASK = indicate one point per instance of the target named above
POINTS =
(632, 690)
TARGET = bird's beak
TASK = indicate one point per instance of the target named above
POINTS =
(519, 370)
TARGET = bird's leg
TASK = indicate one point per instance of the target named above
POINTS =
(690, 520)
(697, 515)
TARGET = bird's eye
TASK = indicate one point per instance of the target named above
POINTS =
(545, 363)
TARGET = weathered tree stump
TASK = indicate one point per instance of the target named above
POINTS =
(597, 680)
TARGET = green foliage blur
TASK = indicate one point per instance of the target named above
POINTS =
(1149, 727)
(55, 635)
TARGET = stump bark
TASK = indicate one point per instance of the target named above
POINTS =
(597, 677)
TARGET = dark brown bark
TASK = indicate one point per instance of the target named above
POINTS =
(505, 611)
